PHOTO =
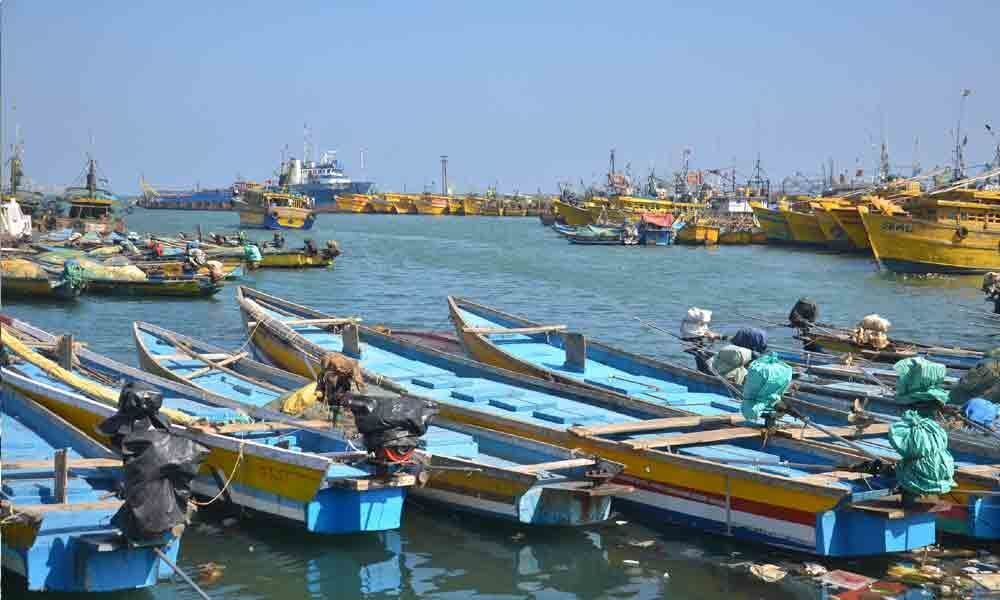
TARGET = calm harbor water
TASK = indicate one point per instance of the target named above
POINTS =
(397, 270)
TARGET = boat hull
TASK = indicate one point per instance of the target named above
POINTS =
(354, 203)
(906, 245)
(295, 260)
(30, 287)
(804, 229)
(281, 217)
(736, 238)
(192, 287)
(774, 224)
(836, 236)
(472, 206)
(698, 235)
(431, 205)
(849, 219)
(572, 215)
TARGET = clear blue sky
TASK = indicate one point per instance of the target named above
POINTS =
(523, 93)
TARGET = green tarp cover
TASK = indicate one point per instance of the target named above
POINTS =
(920, 380)
(766, 381)
(927, 466)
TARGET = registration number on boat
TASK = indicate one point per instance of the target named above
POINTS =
(899, 227)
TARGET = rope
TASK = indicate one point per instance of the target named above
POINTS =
(236, 466)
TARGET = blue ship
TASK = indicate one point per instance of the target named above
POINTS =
(324, 180)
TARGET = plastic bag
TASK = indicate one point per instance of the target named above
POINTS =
(919, 380)
(767, 380)
(927, 466)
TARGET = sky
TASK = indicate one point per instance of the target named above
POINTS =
(521, 94)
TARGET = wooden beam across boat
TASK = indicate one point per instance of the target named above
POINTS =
(72, 463)
(512, 330)
(318, 322)
(655, 424)
(558, 465)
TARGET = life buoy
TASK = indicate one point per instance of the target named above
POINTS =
(962, 232)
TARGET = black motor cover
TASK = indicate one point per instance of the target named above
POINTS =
(159, 465)
(804, 313)
(391, 421)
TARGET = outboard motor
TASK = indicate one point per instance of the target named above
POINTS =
(332, 249)
(804, 314)
(159, 465)
(390, 425)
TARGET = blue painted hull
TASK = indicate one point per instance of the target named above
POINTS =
(74, 549)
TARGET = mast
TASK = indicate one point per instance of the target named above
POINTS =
(92, 177)
(959, 166)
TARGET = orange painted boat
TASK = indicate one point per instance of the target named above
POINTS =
(431, 204)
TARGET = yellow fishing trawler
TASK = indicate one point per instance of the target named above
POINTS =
(455, 205)
(472, 205)
(403, 203)
(951, 231)
(573, 215)
(836, 236)
(430, 204)
(379, 204)
(802, 223)
(698, 233)
(268, 208)
(91, 209)
(355, 203)
(773, 223)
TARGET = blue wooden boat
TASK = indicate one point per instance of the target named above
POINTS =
(313, 478)
(595, 235)
(515, 343)
(563, 230)
(700, 471)
(57, 533)
(469, 468)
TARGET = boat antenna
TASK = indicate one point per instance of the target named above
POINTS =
(959, 166)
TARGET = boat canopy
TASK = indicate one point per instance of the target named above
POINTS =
(658, 219)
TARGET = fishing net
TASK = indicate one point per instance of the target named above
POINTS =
(766, 381)
(252, 253)
(919, 380)
(731, 361)
(72, 274)
(22, 269)
(927, 466)
(983, 380)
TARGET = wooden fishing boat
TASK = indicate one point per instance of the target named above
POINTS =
(265, 208)
(849, 219)
(470, 469)
(55, 525)
(381, 205)
(403, 203)
(804, 228)
(431, 204)
(456, 205)
(517, 344)
(696, 471)
(184, 287)
(173, 269)
(274, 258)
(573, 215)
(836, 340)
(736, 237)
(472, 205)
(594, 235)
(563, 230)
(23, 278)
(258, 460)
(354, 203)
(836, 236)
(698, 234)
(773, 222)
